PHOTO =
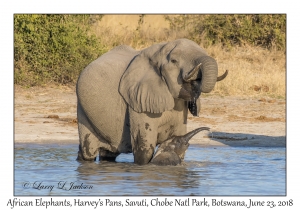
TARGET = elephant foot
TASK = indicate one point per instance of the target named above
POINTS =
(105, 155)
(81, 158)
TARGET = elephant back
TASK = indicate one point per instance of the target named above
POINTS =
(97, 93)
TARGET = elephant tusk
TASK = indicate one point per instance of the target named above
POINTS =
(222, 76)
(192, 75)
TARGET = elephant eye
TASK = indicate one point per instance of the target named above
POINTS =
(173, 61)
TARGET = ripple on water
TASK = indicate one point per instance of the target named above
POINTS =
(206, 171)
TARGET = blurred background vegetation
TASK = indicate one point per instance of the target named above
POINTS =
(56, 48)
(52, 48)
(267, 31)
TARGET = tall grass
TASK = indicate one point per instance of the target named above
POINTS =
(267, 30)
(253, 70)
(137, 31)
(255, 58)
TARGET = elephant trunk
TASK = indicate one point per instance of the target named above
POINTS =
(192, 133)
(206, 71)
(202, 78)
(209, 73)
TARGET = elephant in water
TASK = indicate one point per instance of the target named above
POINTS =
(172, 151)
(131, 101)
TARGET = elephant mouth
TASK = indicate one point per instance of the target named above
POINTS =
(192, 106)
(190, 92)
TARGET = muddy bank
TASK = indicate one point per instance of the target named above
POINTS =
(48, 114)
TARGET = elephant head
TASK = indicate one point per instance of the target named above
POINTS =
(172, 151)
(163, 72)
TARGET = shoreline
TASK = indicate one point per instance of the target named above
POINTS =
(45, 115)
(276, 142)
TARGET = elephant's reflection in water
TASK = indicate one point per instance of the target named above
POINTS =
(146, 179)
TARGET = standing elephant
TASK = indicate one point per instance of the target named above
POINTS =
(131, 101)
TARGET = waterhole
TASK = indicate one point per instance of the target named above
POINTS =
(52, 169)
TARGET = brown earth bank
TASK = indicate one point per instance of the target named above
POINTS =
(48, 115)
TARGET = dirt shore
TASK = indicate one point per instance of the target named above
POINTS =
(48, 114)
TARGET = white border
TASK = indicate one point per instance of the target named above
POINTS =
(8, 8)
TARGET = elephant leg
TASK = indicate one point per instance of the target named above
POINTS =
(80, 156)
(105, 155)
(89, 143)
(143, 139)
(143, 150)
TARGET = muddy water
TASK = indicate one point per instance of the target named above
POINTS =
(51, 169)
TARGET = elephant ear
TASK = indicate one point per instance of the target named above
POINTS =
(143, 89)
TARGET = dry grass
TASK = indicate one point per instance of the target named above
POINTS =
(253, 71)
(134, 30)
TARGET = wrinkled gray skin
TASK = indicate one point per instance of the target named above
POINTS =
(131, 101)
(172, 151)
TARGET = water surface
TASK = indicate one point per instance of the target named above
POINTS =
(51, 169)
